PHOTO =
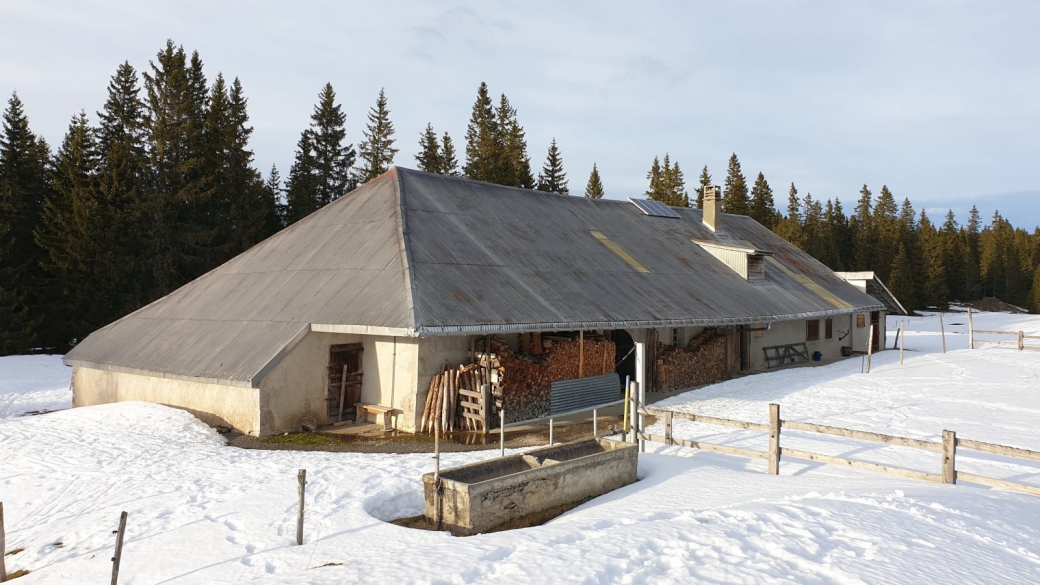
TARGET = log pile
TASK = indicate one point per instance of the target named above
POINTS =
(703, 361)
(521, 381)
(453, 401)
(525, 379)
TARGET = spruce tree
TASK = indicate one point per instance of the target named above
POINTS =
(935, 291)
(449, 162)
(248, 213)
(552, 178)
(901, 279)
(763, 210)
(813, 234)
(790, 226)
(321, 171)
(657, 189)
(863, 232)
(181, 199)
(24, 186)
(675, 185)
(953, 256)
(429, 157)
(594, 189)
(735, 198)
(972, 269)
(124, 189)
(886, 227)
(515, 164)
(704, 181)
(377, 150)
(75, 233)
(483, 151)
(274, 191)
(1034, 293)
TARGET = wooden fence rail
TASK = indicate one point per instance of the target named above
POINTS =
(948, 448)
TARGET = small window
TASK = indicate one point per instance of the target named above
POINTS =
(861, 321)
(812, 330)
(828, 329)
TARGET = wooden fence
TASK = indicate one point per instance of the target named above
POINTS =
(1020, 343)
(947, 448)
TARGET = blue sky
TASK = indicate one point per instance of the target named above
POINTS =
(938, 100)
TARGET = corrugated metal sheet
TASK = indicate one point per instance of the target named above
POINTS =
(426, 255)
(581, 393)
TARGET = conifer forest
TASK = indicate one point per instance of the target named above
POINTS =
(159, 186)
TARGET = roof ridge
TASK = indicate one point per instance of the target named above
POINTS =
(406, 254)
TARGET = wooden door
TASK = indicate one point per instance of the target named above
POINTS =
(344, 387)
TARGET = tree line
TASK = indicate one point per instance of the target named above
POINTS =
(163, 187)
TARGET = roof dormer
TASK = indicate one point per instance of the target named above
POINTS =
(747, 262)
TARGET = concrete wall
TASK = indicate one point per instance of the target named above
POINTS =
(294, 393)
(787, 332)
(213, 404)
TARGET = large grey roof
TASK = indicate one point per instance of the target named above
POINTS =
(418, 254)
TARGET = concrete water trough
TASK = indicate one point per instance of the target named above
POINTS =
(529, 488)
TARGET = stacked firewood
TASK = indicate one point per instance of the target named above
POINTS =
(525, 381)
(453, 392)
(703, 361)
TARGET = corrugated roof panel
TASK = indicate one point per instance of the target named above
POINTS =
(432, 254)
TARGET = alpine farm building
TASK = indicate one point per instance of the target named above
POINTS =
(367, 300)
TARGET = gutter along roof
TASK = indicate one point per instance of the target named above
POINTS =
(418, 254)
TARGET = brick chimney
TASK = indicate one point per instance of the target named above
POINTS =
(712, 202)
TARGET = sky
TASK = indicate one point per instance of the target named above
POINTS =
(936, 99)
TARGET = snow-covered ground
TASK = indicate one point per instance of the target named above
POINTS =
(202, 512)
(33, 383)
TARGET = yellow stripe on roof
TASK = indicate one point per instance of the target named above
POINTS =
(811, 285)
(621, 253)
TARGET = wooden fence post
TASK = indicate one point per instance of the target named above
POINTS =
(1021, 341)
(901, 334)
(119, 548)
(774, 439)
(870, 346)
(668, 428)
(3, 546)
(949, 473)
(942, 331)
(971, 331)
(301, 476)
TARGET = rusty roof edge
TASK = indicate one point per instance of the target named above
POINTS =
(445, 330)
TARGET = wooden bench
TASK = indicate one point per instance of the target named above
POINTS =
(385, 411)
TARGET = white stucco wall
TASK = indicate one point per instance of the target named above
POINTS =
(787, 332)
(214, 404)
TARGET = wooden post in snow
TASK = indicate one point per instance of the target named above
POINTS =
(942, 331)
(301, 477)
(949, 441)
(1021, 341)
(3, 546)
(901, 334)
(870, 346)
(437, 475)
(119, 548)
(668, 428)
(774, 439)
(971, 331)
